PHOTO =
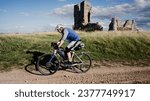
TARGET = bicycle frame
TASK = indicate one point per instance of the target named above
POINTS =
(52, 57)
(80, 60)
(74, 54)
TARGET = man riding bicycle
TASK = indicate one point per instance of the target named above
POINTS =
(71, 36)
(48, 64)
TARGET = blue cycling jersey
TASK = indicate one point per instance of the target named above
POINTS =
(72, 35)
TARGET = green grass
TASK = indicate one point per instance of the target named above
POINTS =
(122, 46)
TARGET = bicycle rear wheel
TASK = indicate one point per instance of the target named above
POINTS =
(83, 63)
(45, 67)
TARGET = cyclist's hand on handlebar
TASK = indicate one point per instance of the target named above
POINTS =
(54, 45)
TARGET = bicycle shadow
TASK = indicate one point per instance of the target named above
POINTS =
(31, 67)
(73, 69)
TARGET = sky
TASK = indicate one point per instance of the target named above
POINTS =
(24, 16)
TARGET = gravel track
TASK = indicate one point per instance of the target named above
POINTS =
(97, 75)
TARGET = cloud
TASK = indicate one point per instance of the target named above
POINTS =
(19, 27)
(142, 3)
(61, 0)
(66, 10)
(142, 12)
(3, 10)
(109, 12)
(139, 10)
(34, 13)
(24, 14)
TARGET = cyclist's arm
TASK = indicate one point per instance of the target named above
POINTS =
(60, 43)
(64, 36)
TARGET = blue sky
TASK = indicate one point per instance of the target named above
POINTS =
(44, 15)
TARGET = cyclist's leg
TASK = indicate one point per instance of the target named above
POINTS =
(76, 44)
(68, 49)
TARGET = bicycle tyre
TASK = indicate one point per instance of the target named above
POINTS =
(85, 65)
(47, 69)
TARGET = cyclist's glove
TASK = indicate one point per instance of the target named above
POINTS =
(54, 45)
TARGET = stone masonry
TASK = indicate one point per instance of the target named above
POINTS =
(82, 17)
(118, 25)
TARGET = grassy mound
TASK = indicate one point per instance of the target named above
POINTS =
(123, 46)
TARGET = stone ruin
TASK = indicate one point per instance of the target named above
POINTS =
(82, 18)
(118, 25)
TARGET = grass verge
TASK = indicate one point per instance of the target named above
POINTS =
(111, 46)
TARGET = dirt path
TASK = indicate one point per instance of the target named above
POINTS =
(105, 74)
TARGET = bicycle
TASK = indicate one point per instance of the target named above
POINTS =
(48, 64)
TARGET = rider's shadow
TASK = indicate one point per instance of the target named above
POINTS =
(31, 67)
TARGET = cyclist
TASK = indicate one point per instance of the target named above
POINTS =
(71, 36)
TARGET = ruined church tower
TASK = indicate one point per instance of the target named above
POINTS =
(82, 14)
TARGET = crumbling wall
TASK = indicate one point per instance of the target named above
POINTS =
(77, 19)
(82, 18)
(118, 25)
(85, 12)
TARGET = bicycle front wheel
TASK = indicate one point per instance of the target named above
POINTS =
(47, 67)
(83, 62)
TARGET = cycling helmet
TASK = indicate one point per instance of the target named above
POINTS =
(58, 27)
